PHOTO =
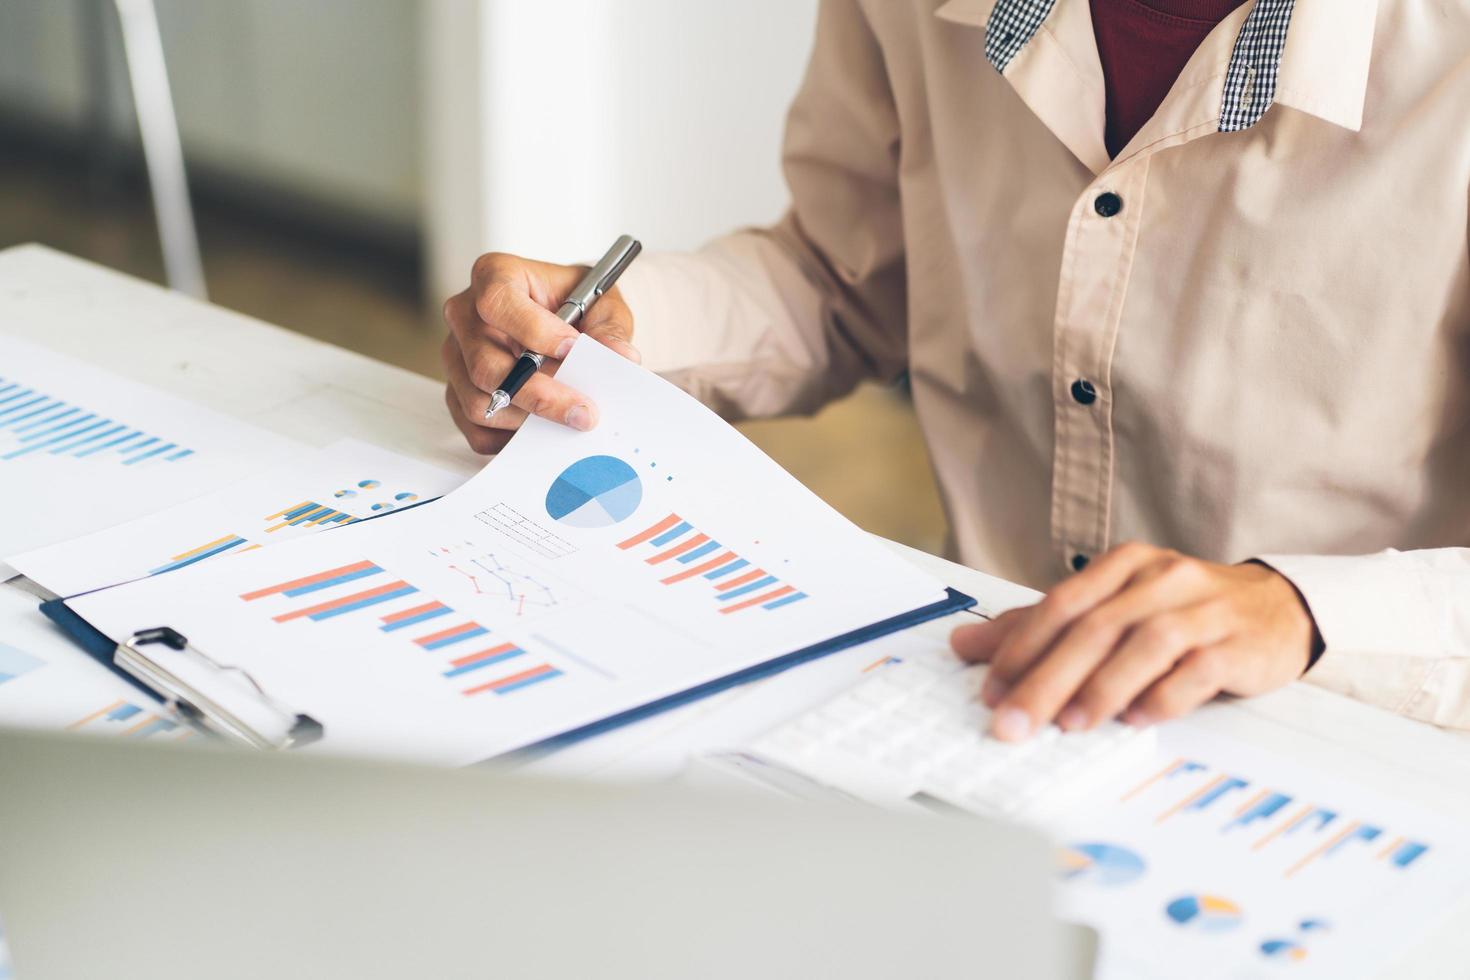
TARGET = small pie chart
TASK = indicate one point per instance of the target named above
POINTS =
(1107, 865)
(595, 491)
(1206, 913)
(1283, 949)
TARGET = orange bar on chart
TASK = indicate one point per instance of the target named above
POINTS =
(360, 566)
(1291, 824)
(652, 532)
(1190, 798)
(767, 597)
(679, 549)
(1321, 849)
(346, 600)
(741, 580)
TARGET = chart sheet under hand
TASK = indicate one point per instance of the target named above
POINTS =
(1224, 862)
(82, 449)
(329, 488)
(577, 576)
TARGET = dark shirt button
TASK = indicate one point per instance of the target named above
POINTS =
(1083, 392)
(1108, 204)
(1079, 562)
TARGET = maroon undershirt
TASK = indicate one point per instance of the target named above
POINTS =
(1144, 45)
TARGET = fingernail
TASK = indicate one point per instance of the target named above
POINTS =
(580, 417)
(564, 348)
(1137, 718)
(1011, 725)
(994, 690)
(1072, 719)
(631, 353)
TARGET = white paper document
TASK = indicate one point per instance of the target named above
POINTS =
(344, 483)
(82, 449)
(1225, 862)
(47, 682)
(578, 576)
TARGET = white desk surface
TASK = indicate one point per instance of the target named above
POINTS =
(316, 393)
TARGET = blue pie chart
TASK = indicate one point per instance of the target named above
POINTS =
(1207, 913)
(596, 491)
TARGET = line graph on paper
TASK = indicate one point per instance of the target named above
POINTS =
(510, 582)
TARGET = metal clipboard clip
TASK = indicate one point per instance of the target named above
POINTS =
(193, 707)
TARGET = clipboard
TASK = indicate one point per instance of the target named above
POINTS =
(130, 660)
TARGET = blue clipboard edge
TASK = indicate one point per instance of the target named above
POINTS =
(97, 645)
(93, 641)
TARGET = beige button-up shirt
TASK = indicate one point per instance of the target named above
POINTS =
(1246, 336)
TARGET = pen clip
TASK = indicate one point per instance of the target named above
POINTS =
(619, 267)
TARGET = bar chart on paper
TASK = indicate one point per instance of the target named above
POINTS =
(1273, 826)
(681, 553)
(33, 423)
(126, 719)
(455, 646)
(1224, 862)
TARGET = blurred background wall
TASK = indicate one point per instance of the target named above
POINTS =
(348, 159)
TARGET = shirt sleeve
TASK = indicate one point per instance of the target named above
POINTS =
(784, 319)
(1395, 627)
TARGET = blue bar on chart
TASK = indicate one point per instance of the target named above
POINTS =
(216, 547)
(1402, 853)
(414, 616)
(328, 579)
(307, 512)
(350, 603)
(16, 663)
(1263, 806)
(34, 422)
(122, 718)
(321, 580)
(483, 659)
(450, 636)
(517, 682)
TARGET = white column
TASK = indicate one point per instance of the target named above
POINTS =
(553, 126)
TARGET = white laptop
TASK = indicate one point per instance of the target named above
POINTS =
(122, 859)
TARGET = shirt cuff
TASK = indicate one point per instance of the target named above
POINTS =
(1377, 623)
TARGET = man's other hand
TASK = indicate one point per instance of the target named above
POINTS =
(1142, 632)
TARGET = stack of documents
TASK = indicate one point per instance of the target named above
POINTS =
(581, 579)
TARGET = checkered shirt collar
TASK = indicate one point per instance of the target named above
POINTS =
(1250, 80)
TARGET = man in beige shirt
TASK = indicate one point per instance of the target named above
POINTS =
(1244, 339)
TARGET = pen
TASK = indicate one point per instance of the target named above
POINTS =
(598, 280)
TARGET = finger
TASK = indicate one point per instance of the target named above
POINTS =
(1146, 654)
(482, 440)
(1056, 674)
(485, 365)
(610, 322)
(977, 642)
(1055, 679)
(1060, 607)
(472, 401)
(544, 396)
(502, 291)
(1197, 678)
